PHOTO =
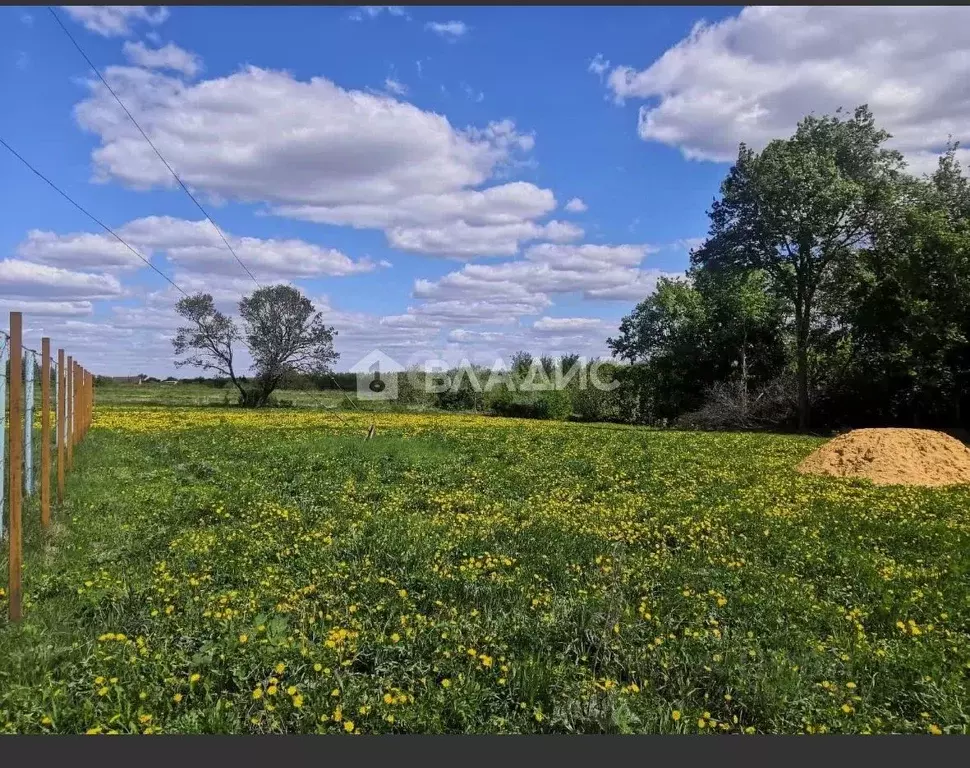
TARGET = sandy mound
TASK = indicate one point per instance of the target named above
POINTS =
(893, 457)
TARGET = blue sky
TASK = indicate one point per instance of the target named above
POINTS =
(443, 182)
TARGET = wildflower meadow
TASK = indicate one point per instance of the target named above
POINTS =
(232, 571)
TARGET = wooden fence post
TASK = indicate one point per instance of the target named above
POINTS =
(79, 418)
(86, 377)
(16, 434)
(45, 432)
(84, 402)
(4, 350)
(87, 401)
(69, 387)
(61, 424)
(77, 403)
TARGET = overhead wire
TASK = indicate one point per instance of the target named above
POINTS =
(90, 215)
(151, 143)
(177, 178)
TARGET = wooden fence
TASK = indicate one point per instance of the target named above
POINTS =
(72, 406)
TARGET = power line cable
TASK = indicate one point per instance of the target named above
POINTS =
(167, 165)
(91, 216)
(151, 144)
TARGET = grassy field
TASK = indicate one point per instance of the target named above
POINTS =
(226, 571)
(186, 394)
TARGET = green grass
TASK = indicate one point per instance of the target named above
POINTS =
(185, 394)
(474, 574)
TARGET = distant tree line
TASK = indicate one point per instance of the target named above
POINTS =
(833, 290)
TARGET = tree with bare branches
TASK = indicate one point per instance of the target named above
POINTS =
(282, 331)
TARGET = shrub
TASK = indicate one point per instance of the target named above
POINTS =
(728, 406)
(500, 401)
(463, 399)
(410, 392)
(555, 405)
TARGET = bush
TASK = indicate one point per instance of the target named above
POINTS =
(592, 404)
(463, 399)
(555, 405)
(728, 406)
(410, 392)
(500, 401)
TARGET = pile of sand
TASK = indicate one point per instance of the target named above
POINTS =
(893, 457)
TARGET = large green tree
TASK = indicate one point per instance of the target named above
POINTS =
(907, 303)
(713, 325)
(798, 208)
(282, 331)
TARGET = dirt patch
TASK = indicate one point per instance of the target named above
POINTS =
(893, 457)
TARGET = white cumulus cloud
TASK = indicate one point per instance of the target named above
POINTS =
(26, 279)
(192, 247)
(115, 20)
(170, 56)
(373, 11)
(449, 30)
(559, 324)
(751, 77)
(394, 86)
(313, 150)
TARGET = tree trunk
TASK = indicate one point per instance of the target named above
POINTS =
(801, 360)
(242, 392)
(744, 375)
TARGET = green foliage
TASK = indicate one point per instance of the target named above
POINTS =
(800, 208)
(828, 269)
(555, 404)
(283, 332)
(715, 325)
